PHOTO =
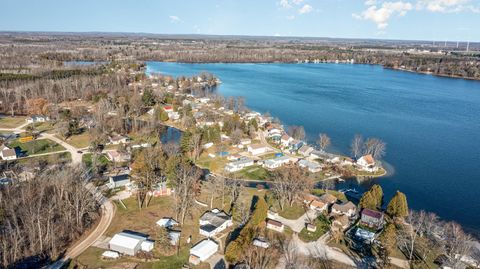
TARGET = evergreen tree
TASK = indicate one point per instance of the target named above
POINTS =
(398, 207)
(148, 98)
(373, 198)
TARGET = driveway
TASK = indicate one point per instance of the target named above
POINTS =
(76, 157)
(298, 224)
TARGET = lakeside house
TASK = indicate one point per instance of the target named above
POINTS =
(295, 145)
(312, 167)
(347, 208)
(37, 118)
(275, 225)
(318, 205)
(257, 149)
(213, 222)
(285, 140)
(328, 198)
(120, 180)
(305, 150)
(238, 165)
(130, 243)
(7, 154)
(340, 223)
(278, 162)
(372, 218)
(367, 163)
(202, 251)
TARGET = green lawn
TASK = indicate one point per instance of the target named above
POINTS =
(79, 141)
(37, 146)
(323, 225)
(292, 212)
(340, 196)
(11, 122)
(255, 172)
(41, 126)
(87, 159)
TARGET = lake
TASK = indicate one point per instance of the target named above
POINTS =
(431, 124)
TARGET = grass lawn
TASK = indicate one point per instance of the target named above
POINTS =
(79, 141)
(292, 212)
(41, 126)
(255, 172)
(37, 146)
(87, 159)
(340, 196)
(322, 224)
(214, 164)
(62, 157)
(11, 122)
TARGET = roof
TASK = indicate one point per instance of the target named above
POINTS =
(127, 240)
(316, 203)
(215, 218)
(9, 153)
(167, 222)
(256, 146)
(368, 158)
(344, 207)
(274, 223)
(309, 164)
(203, 247)
(328, 198)
(342, 219)
(372, 213)
(117, 178)
(305, 148)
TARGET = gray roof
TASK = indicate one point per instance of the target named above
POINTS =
(215, 219)
(344, 207)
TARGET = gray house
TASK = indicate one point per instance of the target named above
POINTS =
(130, 243)
(118, 181)
(372, 218)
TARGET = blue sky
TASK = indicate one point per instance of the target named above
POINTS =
(449, 20)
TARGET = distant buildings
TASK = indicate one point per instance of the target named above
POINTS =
(37, 118)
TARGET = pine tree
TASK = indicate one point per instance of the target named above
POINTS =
(398, 207)
(373, 198)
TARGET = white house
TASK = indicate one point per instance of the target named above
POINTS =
(117, 181)
(305, 150)
(367, 163)
(117, 156)
(238, 165)
(213, 222)
(312, 167)
(167, 223)
(118, 139)
(275, 225)
(203, 100)
(277, 162)
(130, 243)
(285, 140)
(260, 242)
(318, 205)
(257, 149)
(7, 154)
(202, 251)
(37, 118)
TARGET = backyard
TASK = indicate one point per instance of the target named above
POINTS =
(39, 146)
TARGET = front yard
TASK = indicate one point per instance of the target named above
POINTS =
(39, 146)
(322, 224)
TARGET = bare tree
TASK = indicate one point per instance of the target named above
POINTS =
(323, 141)
(356, 146)
(187, 187)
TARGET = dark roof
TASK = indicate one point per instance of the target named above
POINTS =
(372, 213)
(119, 177)
(208, 227)
(344, 207)
(274, 223)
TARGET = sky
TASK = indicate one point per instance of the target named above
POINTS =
(442, 20)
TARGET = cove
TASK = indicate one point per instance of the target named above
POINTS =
(431, 124)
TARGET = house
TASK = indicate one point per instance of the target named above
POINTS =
(312, 167)
(365, 235)
(203, 100)
(173, 115)
(245, 142)
(305, 150)
(37, 118)
(130, 243)
(213, 222)
(367, 163)
(168, 109)
(260, 242)
(285, 140)
(318, 205)
(372, 218)
(328, 198)
(168, 223)
(275, 225)
(234, 157)
(202, 251)
(348, 209)
(118, 139)
(117, 156)
(277, 162)
(257, 149)
(238, 165)
(117, 181)
(296, 145)
(7, 154)
(340, 223)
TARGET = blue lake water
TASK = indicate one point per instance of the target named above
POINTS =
(431, 124)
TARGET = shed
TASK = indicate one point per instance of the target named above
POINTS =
(130, 243)
(202, 251)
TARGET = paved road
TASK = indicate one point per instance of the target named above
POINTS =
(76, 157)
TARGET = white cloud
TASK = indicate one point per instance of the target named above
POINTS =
(305, 9)
(285, 4)
(445, 5)
(174, 19)
(381, 15)
(370, 2)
